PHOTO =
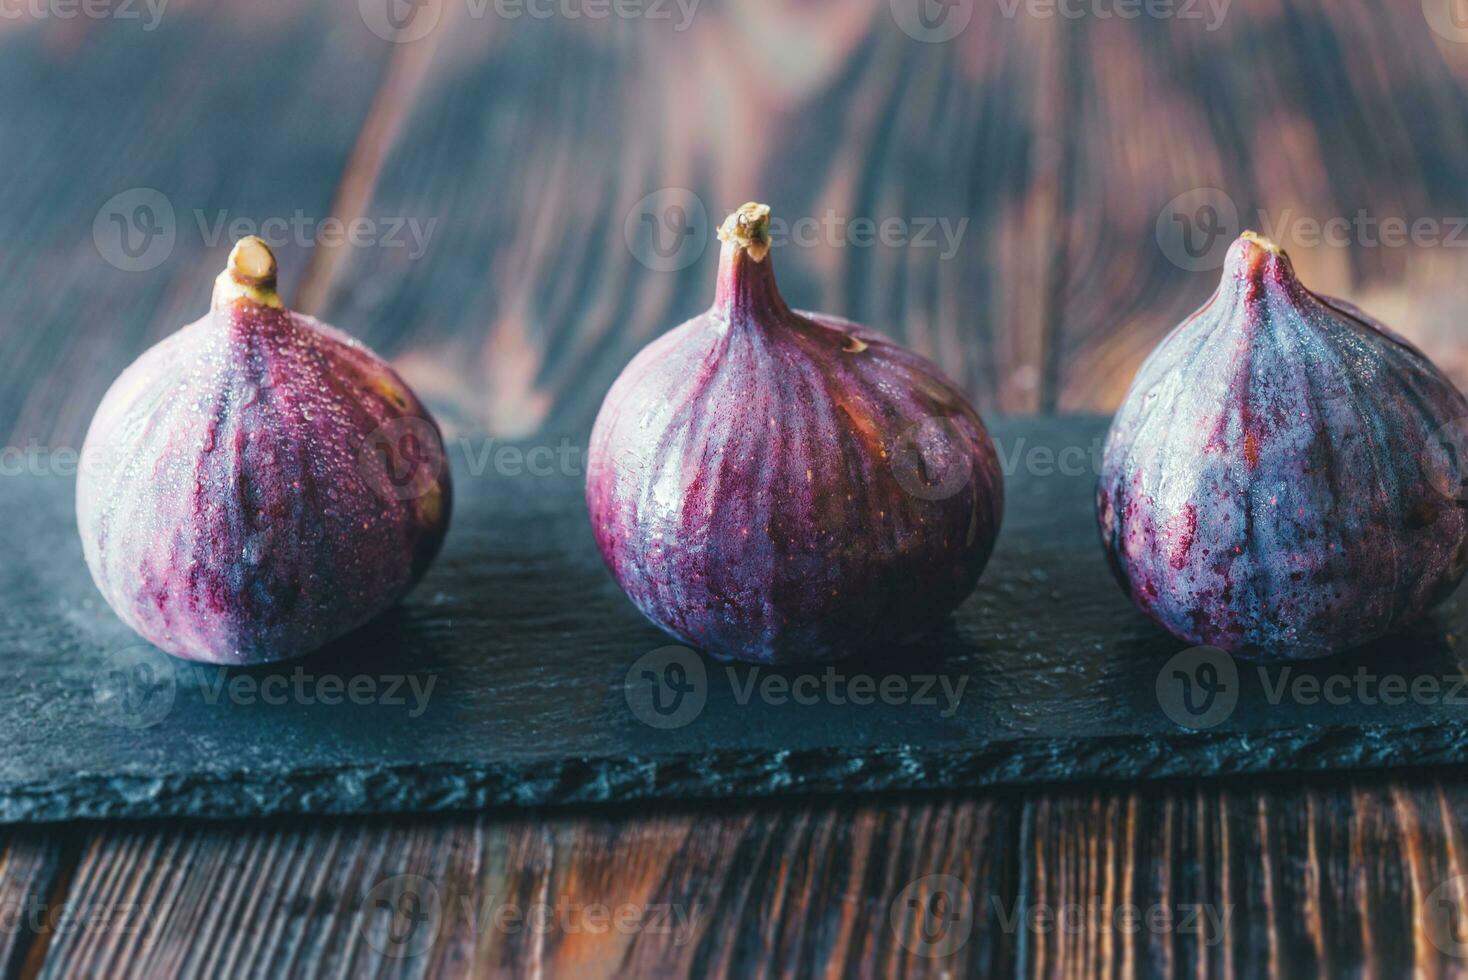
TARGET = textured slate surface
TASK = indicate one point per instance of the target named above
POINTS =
(529, 647)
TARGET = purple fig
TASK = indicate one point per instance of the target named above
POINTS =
(258, 483)
(779, 486)
(1275, 483)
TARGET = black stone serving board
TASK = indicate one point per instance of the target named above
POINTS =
(538, 677)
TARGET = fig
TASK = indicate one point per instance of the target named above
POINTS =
(1273, 484)
(779, 486)
(258, 483)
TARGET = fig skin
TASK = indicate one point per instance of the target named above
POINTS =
(235, 510)
(759, 478)
(1271, 485)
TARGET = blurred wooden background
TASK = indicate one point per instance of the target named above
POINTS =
(525, 148)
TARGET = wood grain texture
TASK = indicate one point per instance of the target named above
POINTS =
(1292, 111)
(536, 143)
(535, 153)
(1327, 878)
(814, 888)
(221, 113)
(34, 869)
(1354, 879)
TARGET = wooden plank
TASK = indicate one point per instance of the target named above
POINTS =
(1358, 878)
(535, 143)
(839, 887)
(33, 871)
(523, 147)
(245, 111)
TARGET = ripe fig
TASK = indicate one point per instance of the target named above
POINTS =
(258, 483)
(1275, 483)
(780, 486)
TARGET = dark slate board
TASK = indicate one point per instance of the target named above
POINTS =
(529, 646)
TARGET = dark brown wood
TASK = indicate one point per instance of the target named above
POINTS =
(816, 888)
(1322, 878)
(523, 148)
(240, 110)
(1296, 109)
(34, 871)
(1360, 878)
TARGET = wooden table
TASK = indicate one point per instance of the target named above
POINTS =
(525, 148)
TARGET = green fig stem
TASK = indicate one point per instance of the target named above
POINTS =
(249, 274)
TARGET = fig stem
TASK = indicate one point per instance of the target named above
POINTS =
(746, 287)
(749, 228)
(249, 274)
